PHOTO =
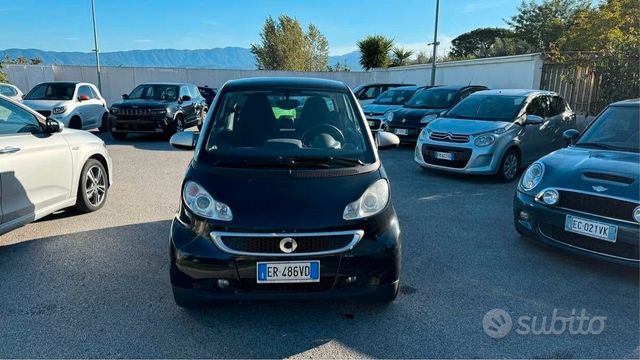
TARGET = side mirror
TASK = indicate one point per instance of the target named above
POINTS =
(23, 96)
(53, 126)
(184, 140)
(570, 136)
(83, 98)
(533, 120)
(387, 140)
(185, 98)
(125, 96)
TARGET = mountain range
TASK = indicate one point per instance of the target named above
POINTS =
(217, 58)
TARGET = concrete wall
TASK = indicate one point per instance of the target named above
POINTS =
(521, 71)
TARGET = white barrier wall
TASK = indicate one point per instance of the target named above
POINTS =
(521, 71)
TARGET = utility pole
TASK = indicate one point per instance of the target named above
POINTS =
(95, 44)
(435, 46)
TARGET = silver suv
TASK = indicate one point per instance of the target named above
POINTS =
(495, 132)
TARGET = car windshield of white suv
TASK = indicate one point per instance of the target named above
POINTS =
(487, 107)
(433, 98)
(288, 128)
(155, 92)
(51, 91)
(617, 128)
(394, 97)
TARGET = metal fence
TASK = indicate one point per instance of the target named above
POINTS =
(578, 85)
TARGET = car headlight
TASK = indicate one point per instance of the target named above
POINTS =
(532, 176)
(201, 203)
(372, 201)
(389, 116)
(158, 111)
(59, 110)
(548, 196)
(424, 134)
(485, 140)
(428, 118)
(636, 214)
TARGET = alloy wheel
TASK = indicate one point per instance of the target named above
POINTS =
(95, 185)
(510, 167)
(179, 125)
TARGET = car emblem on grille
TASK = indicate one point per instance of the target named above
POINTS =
(449, 135)
(599, 188)
(288, 245)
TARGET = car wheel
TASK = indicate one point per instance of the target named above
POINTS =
(119, 135)
(75, 123)
(104, 124)
(204, 115)
(93, 187)
(179, 124)
(509, 166)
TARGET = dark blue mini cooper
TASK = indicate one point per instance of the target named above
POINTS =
(585, 198)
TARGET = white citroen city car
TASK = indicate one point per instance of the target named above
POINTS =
(45, 167)
(77, 105)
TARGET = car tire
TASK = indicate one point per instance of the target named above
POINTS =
(178, 125)
(93, 187)
(118, 135)
(509, 166)
(202, 117)
(104, 124)
(75, 123)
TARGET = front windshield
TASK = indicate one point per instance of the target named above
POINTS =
(487, 107)
(394, 97)
(433, 98)
(155, 92)
(289, 123)
(51, 91)
(617, 128)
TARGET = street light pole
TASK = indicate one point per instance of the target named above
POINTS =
(435, 46)
(95, 43)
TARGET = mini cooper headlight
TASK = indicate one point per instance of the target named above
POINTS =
(636, 214)
(59, 110)
(485, 140)
(372, 201)
(548, 196)
(201, 203)
(532, 176)
(428, 118)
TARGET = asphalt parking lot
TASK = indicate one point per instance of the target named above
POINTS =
(97, 285)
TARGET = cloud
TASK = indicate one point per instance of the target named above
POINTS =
(143, 40)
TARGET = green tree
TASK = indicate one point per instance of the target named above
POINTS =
(401, 56)
(284, 45)
(338, 67)
(21, 60)
(374, 51)
(478, 42)
(542, 25)
(422, 57)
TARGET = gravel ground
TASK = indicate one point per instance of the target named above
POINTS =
(97, 285)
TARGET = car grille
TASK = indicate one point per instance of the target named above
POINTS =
(619, 249)
(462, 156)
(269, 244)
(597, 205)
(374, 124)
(125, 111)
(45, 113)
(448, 137)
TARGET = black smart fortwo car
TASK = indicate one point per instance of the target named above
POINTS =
(285, 198)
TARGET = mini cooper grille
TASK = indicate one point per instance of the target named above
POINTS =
(271, 245)
(448, 137)
(609, 177)
(620, 249)
(597, 205)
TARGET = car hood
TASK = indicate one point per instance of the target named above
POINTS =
(413, 115)
(466, 127)
(143, 103)
(45, 104)
(277, 200)
(574, 168)
(378, 108)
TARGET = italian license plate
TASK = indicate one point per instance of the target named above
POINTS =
(591, 228)
(401, 131)
(288, 272)
(444, 156)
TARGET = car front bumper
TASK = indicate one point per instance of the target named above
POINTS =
(469, 159)
(546, 224)
(197, 263)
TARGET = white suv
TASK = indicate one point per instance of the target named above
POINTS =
(77, 105)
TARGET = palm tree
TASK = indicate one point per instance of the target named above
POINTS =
(401, 56)
(374, 51)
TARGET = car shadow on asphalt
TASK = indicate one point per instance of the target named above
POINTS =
(140, 141)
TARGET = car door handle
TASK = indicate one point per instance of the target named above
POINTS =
(9, 150)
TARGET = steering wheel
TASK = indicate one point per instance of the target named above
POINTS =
(314, 131)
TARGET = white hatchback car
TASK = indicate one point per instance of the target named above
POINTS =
(45, 167)
(11, 91)
(77, 105)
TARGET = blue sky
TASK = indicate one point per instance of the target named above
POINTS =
(65, 25)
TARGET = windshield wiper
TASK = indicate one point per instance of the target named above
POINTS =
(323, 160)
